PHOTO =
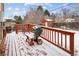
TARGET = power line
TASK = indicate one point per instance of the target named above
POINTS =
(62, 7)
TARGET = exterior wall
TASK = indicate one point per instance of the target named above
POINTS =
(1, 20)
(1, 28)
(46, 22)
(1, 32)
(76, 19)
(1, 11)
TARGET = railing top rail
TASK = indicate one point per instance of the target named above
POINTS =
(53, 29)
(59, 30)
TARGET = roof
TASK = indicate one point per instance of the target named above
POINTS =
(48, 19)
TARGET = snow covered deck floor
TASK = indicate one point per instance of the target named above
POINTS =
(17, 46)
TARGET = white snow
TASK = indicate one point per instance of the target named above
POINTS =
(16, 45)
(30, 35)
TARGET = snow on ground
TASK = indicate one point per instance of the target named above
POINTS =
(16, 45)
(76, 42)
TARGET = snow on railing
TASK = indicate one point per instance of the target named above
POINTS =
(60, 38)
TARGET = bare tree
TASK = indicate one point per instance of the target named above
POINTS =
(65, 13)
(34, 16)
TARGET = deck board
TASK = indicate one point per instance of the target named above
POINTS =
(17, 46)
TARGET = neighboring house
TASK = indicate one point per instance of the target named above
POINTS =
(76, 18)
(9, 22)
(59, 19)
(46, 22)
(69, 20)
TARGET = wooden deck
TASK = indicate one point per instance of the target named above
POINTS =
(17, 46)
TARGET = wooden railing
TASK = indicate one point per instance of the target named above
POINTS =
(60, 38)
(23, 27)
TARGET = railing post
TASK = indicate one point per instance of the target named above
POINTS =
(4, 33)
(16, 29)
(72, 44)
(28, 27)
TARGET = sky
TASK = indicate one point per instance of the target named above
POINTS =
(20, 9)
